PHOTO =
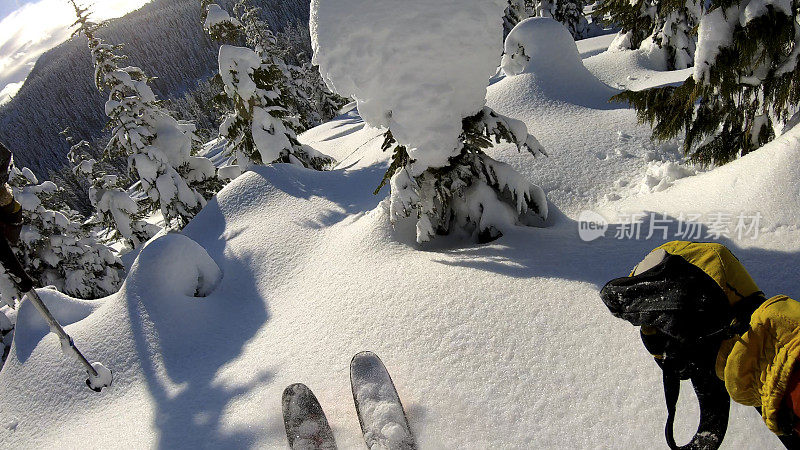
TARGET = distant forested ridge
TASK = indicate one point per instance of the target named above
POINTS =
(165, 38)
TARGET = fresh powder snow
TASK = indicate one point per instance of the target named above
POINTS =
(289, 272)
(417, 67)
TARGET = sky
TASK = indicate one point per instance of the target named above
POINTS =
(29, 28)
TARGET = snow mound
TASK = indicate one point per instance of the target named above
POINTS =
(174, 265)
(370, 50)
(541, 57)
(538, 44)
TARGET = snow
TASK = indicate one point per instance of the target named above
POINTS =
(765, 181)
(715, 31)
(524, 52)
(242, 61)
(417, 67)
(216, 16)
(102, 379)
(289, 272)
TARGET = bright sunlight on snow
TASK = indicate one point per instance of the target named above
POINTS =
(37, 26)
(288, 272)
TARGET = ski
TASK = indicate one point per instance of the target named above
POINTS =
(306, 425)
(380, 413)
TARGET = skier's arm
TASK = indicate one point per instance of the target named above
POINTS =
(10, 209)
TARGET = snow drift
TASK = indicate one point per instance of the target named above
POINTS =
(766, 181)
(554, 70)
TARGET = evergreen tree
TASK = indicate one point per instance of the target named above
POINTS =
(54, 246)
(218, 23)
(158, 147)
(516, 12)
(116, 213)
(473, 192)
(303, 91)
(746, 82)
(568, 12)
(259, 128)
(323, 104)
(656, 26)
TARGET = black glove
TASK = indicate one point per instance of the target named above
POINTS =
(11, 220)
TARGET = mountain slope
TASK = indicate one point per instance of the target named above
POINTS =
(163, 37)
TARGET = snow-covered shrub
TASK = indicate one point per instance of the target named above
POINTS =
(665, 30)
(55, 248)
(746, 82)
(473, 192)
(259, 127)
(158, 147)
(116, 213)
(412, 70)
(8, 319)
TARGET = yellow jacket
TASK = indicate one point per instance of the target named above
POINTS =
(756, 365)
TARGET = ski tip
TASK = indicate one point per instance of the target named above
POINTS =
(364, 354)
(366, 364)
(304, 420)
(294, 389)
(363, 357)
(380, 412)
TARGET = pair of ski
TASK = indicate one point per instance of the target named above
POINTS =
(380, 413)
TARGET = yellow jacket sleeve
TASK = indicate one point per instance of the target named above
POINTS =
(757, 365)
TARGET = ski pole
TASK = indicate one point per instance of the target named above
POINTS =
(99, 375)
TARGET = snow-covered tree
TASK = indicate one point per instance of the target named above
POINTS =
(54, 246)
(568, 12)
(415, 75)
(303, 91)
(116, 213)
(218, 23)
(259, 127)
(746, 82)
(516, 12)
(664, 29)
(259, 130)
(158, 147)
(319, 104)
(473, 192)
